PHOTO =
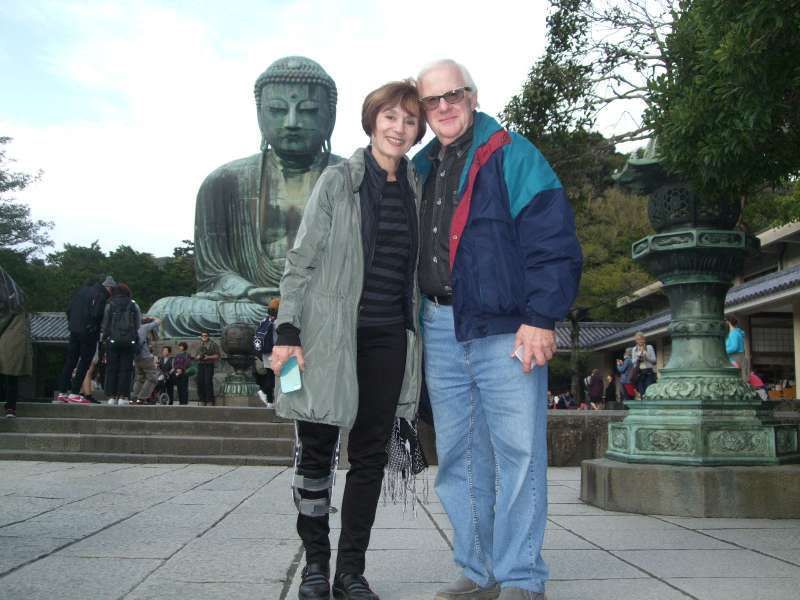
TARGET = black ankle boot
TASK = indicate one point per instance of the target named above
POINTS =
(349, 586)
(314, 584)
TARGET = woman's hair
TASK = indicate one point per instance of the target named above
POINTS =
(121, 289)
(390, 94)
(732, 320)
(183, 346)
(167, 348)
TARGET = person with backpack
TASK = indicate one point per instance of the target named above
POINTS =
(84, 315)
(144, 363)
(121, 322)
(180, 370)
(263, 341)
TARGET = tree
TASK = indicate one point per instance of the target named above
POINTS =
(727, 112)
(18, 232)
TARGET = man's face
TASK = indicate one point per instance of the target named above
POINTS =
(448, 121)
(294, 118)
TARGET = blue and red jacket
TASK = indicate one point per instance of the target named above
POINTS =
(514, 255)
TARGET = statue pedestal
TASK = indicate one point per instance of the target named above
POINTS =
(239, 390)
(728, 492)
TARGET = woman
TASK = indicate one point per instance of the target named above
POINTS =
(119, 331)
(349, 295)
(625, 367)
(165, 369)
(180, 365)
(643, 356)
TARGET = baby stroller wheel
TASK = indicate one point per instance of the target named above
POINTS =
(163, 398)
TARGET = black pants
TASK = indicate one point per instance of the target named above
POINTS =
(205, 382)
(182, 383)
(266, 383)
(81, 347)
(169, 386)
(119, 370)
(647, 377)
(381, 356)
(9, 390)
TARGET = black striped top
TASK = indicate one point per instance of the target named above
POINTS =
(385, 279)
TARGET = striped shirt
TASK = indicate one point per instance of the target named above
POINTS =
(385, 279)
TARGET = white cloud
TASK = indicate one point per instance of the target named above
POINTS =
(171, 93)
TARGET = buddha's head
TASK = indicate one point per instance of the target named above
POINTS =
(296, 102)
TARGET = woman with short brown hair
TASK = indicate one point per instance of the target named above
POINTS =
(348, 312)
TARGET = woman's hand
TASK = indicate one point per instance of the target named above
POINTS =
(280, 354)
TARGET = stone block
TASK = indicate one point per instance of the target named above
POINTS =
(752, 491)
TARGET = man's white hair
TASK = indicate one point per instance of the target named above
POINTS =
(449, 62)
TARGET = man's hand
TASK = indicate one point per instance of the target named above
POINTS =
(538, 346)
(280, 354)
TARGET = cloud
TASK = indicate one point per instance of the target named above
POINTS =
(170, 91)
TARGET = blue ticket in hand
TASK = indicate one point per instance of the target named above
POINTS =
(290, 376)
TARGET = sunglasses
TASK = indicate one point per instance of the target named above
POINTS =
(451, 97)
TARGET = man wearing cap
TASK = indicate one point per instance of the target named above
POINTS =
(84, 314)
(499, 265)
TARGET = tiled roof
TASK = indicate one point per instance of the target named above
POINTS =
(757, 288)
(49, 327)
(590, 333)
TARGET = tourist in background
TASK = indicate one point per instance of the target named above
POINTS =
(121, 321)
(144, 362)
(180, 367)
(610, 393)
(595, 390)
(643, 357)
(16, 350)
(165, 369)
(734, 347)
(349, 303)
(206, 356)
(84, 316)
(624, 368)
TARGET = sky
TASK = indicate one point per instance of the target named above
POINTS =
(127, 106)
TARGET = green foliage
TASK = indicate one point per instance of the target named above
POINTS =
(727, 113)
(772, 208)
(606, 230)
(17, 230)
(49, 284)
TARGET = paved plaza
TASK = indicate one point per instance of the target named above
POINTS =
(92, 530)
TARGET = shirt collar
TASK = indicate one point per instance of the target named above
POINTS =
(460, 146)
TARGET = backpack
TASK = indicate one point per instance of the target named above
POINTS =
(263, 339)
(122, 329)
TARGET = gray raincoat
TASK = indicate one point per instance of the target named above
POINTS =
(320, 295)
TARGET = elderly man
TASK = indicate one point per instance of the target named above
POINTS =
(499, 265)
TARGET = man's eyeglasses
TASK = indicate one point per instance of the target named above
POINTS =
(451, 97)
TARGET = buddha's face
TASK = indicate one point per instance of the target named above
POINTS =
(294, 118)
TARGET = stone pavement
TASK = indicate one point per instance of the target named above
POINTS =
(109, 531)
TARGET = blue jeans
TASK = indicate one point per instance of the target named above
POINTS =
(491, 441)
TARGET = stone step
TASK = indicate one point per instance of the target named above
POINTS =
(131, 426)
(149, 412)
(147, 444)
(105, 457)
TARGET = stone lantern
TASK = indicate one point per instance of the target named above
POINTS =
(239, 387)
(700, 412)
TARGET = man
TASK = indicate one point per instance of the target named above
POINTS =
(144, 362)
(207, 355)
(248, 210)
(499, 265)
(84, 314)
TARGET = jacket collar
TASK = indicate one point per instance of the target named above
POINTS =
(483, 127)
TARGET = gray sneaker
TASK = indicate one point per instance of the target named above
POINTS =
(510, 593)
(464, 588)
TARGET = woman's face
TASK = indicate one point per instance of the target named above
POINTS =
(394, 133)
(640, 340)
